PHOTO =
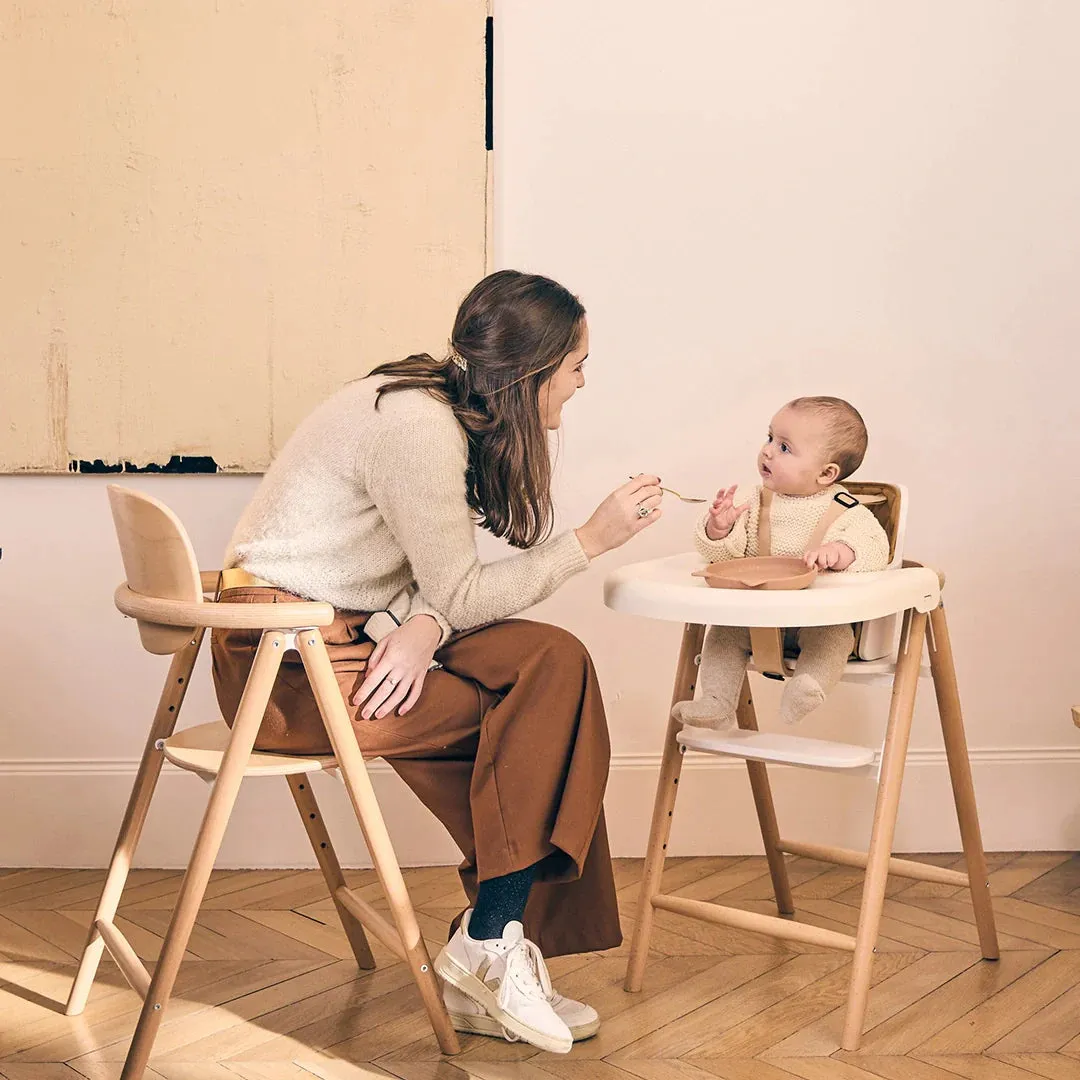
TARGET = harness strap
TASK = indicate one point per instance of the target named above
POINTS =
(764, 525)
(841, 502)
(767, 643)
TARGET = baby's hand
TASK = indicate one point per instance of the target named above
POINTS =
(834, 556)
(724, 513)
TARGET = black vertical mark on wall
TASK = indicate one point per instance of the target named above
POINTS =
(175, 464)
(489, 84)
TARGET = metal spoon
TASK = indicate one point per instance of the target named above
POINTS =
(683, 498)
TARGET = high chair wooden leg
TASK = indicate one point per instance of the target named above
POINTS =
(667, 788)
(894, 755)
(362, 795)
(952, 730)
(300, 786)
(172, 697)
(766, 812)
(249, 716)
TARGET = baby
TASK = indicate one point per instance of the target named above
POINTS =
(799, 509)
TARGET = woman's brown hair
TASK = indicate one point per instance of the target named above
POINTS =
(512, 331)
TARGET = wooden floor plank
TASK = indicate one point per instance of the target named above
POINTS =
(270, 990)
(54, 1071)
(1039, 931)
(994, 1018)
(261, 1018)
(816, 1068)
(109, 1038)
(898, 991)
(42, 883)
(758, 1034)
(656, 1012)
(898, 1068)
(911, 1027)
(17, 943)
(686, 1034)
(1053, 1026)
(743, 1069)
(979, 1067)
(93, 1069)
(908, 934)
(1050, 1066)
(1034, 866)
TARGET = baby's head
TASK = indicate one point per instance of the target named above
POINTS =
(813, 442)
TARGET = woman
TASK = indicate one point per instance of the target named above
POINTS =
(371, 505)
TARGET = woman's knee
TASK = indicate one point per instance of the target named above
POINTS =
(555, 644)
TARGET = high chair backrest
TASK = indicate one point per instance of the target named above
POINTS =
(888, 503)
(159, 561)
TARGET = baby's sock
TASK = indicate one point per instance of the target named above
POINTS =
(802, 695)
(707, 711)
(721, 671)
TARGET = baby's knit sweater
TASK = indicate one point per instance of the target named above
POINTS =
(366, 509)
(792, 520)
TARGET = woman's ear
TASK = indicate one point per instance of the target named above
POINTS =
(829, 474)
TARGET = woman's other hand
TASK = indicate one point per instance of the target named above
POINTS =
(624, 513)
(397, 668)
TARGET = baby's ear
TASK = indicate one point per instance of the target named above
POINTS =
(829, 474)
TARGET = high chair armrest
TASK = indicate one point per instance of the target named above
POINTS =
(940, 576)
(219, 615)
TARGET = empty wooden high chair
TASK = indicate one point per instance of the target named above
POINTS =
(908, 592)
(174, 605)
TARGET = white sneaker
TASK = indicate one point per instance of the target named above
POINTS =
(469, 1018)
(508, 979)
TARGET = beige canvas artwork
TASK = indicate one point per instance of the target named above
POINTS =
(215, 213)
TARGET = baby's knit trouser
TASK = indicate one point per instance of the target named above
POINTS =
(823, 652)
(724, 656)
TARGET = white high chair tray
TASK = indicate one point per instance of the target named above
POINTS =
(665, 589)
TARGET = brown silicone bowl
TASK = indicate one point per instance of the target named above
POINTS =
(767, 572)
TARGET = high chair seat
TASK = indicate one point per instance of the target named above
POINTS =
(201, 749)
(776, 747)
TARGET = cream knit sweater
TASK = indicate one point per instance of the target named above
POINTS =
(792, 520)
(366, 509)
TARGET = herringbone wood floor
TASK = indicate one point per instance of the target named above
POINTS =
(269, 989)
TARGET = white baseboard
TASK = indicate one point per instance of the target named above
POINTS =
(58, 812)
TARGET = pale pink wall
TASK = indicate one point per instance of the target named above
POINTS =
(754, 200)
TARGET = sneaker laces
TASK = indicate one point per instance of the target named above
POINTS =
(526, 969)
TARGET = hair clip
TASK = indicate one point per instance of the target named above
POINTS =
(457, 357)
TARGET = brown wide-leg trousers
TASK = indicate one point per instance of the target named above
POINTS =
(507, 746)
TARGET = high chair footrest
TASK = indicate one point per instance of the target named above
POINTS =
(201, 750)
(776, 747)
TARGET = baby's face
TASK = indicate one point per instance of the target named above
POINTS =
(795, 455)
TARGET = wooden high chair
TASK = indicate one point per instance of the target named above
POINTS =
(665, 589)
(173, 604)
